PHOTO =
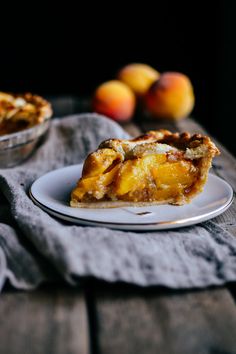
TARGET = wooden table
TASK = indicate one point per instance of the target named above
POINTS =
(102, 318)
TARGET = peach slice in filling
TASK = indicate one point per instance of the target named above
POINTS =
(94, 187)
(151, 178)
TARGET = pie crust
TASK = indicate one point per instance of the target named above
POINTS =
(156, 168)
(22, 111)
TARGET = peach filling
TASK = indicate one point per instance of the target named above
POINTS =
(143, 179)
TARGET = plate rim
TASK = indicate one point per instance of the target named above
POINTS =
(180, 222)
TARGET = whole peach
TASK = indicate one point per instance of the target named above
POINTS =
(171, 96)
(138, 77)
(115, 100)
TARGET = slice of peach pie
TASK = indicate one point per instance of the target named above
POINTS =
(156, 168)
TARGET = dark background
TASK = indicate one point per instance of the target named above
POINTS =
(71, 49)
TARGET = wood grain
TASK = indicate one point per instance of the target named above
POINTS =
(45, 321)
(132, 129)
(166, 322)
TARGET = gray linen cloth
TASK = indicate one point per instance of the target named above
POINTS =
(35, 247)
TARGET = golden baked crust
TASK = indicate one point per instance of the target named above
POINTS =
(156, 168)
(21, 111)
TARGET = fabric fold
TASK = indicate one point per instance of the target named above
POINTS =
(35, 247)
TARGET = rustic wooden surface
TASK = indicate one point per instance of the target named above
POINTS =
(102, 318)
(162, 321)
(46, 321)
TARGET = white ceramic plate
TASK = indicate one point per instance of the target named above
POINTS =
(51, 192)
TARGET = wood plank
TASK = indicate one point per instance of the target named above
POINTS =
(132, 129)
(68, 104)
(62, 105)
(153, 321)
(43, 321)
